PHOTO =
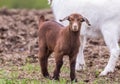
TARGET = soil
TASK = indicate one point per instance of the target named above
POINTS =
(19, 41)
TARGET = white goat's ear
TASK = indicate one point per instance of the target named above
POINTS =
(49, 2)
(66, 18)
(87, 21)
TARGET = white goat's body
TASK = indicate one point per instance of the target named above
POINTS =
(104, 17)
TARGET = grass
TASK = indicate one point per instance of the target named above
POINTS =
(30, 74)
(25, 75)
(30, 4)
(20, 81)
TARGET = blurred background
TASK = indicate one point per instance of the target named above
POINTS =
(19, 64)
(29, 4)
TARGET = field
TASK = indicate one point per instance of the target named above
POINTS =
(36, 4)
(19, 50)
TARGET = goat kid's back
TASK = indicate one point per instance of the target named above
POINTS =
(48, 32)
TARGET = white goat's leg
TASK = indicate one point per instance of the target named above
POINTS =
(80, 62)
(114, 54)
(111, 40)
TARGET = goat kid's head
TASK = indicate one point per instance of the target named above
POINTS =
(75, 21)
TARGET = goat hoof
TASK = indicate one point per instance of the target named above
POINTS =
(55, 78)
(80, 67)
(75, 80)
(48, 77)
(103, 73)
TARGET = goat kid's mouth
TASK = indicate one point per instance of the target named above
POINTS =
(75, 29)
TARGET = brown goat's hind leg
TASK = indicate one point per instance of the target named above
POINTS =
(59, 63)
(43, 59)
(72, 68)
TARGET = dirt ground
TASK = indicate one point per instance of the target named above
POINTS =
(19, 42)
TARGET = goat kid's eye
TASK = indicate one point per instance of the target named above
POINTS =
(71, 19)
(82, 20)
(78, 19)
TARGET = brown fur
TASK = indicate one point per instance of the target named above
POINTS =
(62, 41)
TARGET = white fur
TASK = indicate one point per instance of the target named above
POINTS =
(104, 17)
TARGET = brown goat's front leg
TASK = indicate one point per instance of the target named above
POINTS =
(72, 68)
(59, 63)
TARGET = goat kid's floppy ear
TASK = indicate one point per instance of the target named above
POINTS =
(86, 20)
(66, 18)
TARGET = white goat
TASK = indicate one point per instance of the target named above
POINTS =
(104, 16)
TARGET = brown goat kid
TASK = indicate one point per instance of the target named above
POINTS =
(53, 37)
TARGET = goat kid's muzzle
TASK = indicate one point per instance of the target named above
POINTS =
(75, 27)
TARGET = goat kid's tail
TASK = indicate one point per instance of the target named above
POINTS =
(41, 19)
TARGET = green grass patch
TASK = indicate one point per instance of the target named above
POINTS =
(65, 69)
(30, 74)
(30, 4)
(30, 67)
(19, 81)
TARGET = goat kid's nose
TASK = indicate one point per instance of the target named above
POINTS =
(75, 27)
